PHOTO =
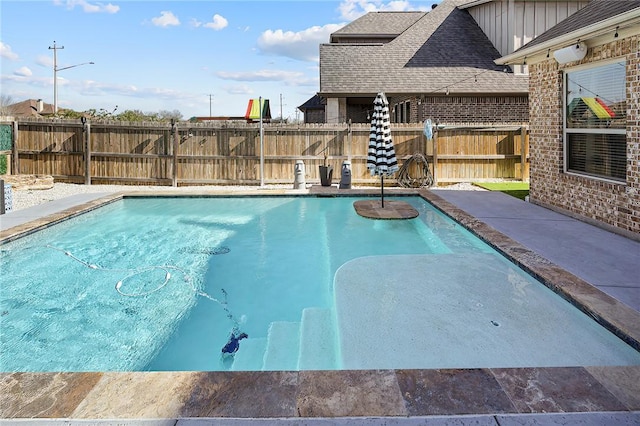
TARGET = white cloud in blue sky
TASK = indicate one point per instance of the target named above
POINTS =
(166, 19)
(217, 22)
(88, 7)
(353, 9)
(301, 45)
(23, 72)
(7, 53)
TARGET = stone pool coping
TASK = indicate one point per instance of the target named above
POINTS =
(342, 393)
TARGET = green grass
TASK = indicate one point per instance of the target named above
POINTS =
(515, 189)
(3, 164)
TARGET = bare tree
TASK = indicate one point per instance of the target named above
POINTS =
(5, 102)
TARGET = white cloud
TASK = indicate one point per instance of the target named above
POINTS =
(94, 88)
(261, 75)
(45, 61)
(218, 22)
(166, 19)
(289, 78)
(301, 45)
(23, 72)
(353, 9)
(242, 89)
(7, 53)
(88, 7)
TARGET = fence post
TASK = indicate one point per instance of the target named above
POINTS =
(523, 153)
(86, 130)
(2, 211)
(174, 141)
(349, 140)
(15, 163)
(435, 156)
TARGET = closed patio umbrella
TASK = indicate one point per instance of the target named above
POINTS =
(381, 158)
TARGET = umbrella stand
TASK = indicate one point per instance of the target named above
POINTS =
(382, 189)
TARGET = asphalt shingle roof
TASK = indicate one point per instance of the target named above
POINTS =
(595, 11)
(380, 23)
(29, 108)
(315, 102)
(444, 48)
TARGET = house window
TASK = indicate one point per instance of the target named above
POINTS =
(595, 121)
(402, 112)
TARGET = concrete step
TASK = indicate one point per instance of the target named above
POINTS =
(283, 346)
(318, 340)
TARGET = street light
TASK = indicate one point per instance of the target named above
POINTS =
(55, 73)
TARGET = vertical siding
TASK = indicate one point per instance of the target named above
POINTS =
(530, 19)
(551, 14)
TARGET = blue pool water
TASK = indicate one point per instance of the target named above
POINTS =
(160, 283)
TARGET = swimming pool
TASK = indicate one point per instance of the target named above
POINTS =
(159, 283)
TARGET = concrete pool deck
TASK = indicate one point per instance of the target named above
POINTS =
(562, 252)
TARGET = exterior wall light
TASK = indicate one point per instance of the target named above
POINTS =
(575, 52)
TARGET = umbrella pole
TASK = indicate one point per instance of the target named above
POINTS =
(382, 189)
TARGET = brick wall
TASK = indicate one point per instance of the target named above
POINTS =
(615, 205)
(314, 116)
(469, 109)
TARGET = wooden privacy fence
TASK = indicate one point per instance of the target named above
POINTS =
(185, 154)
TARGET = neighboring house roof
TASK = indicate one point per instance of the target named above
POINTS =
(443, 50)
(379, 24)
(30, 108)
(598, 18)
(314, 102)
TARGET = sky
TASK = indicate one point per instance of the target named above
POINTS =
(197, 57)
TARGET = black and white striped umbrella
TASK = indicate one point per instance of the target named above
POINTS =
(381, 158)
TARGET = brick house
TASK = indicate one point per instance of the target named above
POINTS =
(584, 82)
(437, 64)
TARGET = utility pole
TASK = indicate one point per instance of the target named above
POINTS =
(55, 48)
(55, 75)
(281, 117)
(210, 101)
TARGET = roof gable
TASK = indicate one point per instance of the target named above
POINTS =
(457, 42)
(443, 51)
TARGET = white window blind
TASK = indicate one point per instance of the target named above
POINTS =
(595, 121)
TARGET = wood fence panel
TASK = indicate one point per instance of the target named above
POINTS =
(144, 153)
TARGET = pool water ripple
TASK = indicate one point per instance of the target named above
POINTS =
(160, 283)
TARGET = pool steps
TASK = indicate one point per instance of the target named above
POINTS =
(318, 340)
(250, 358)
(283, 346)
(306, 345)
(432, 240)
